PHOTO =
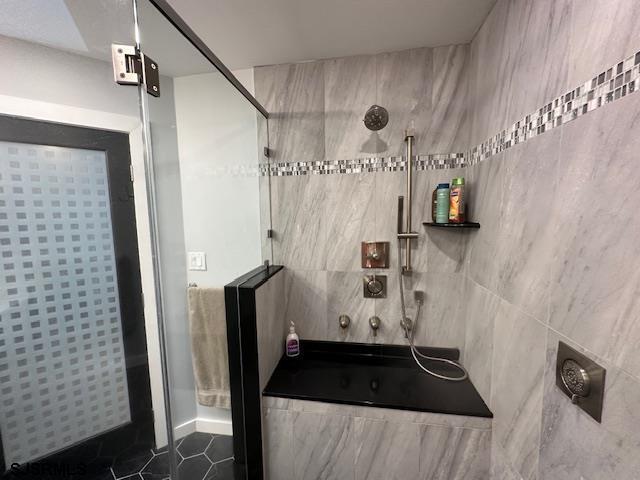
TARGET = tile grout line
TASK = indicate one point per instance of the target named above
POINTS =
(208, 470)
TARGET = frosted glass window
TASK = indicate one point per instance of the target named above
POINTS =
(62, 370)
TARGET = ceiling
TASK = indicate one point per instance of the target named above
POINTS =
(245, 33)
(89, 27)
(248, 33)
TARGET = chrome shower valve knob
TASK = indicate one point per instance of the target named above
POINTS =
(375, 254)
(374, 323)
(374, 286)
(344, 321)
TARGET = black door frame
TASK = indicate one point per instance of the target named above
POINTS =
(116, 147)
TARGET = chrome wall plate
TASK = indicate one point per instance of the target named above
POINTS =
(375, 254)
(375, 286)
(581, 379)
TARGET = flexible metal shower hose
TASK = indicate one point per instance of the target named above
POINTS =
(409, 333)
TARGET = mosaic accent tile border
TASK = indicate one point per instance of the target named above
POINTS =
(617, 82)
(363, 165)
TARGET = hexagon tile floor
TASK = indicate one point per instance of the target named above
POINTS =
(201, 456)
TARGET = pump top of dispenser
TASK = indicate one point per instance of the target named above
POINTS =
(292, 327)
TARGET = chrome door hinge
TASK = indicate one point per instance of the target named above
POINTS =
(266, 152)
(131, 172)
(269, 233)
(131, 67)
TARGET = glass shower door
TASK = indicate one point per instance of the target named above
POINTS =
(76, 399)
(74, 350)
(206, 144)
(81, 355)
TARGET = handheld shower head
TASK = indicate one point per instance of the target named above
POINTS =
(376, 118)
(418, 297)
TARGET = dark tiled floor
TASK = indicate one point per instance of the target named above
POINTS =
(200, 456)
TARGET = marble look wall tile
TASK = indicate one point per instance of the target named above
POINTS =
(324, 408)
(343, 442)
(278, 444)
(293, 94)
(423, 418)
(441, 322)
(306, 302)
(388, 186)
(345, 297)
(350, 218)
(501, 469)
(595, 285)
(492, 62)
(538, 37)
(518, 40)
(438, 250)
(485, 193)
(323, 447)
(271, 325)
(349, 89)
(480, 308)
(404, 87)
(298, 205)
(526, 240)
(454, 453)
(600, 32)
(276, 403)
(389, 311)
(450, 115)
(376, 413)
(575, 446)
(386, 450)
(516, 391)
(441, 317)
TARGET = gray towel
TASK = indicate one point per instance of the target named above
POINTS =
(208, 325)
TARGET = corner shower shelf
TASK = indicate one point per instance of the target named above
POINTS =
(452, 225)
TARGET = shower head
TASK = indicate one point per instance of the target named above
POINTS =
(376, 118)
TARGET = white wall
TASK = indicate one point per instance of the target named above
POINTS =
(217, 142)
(50, 75)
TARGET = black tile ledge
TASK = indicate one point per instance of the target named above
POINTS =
(374, 375)
(321, 347)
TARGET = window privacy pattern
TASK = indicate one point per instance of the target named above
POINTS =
(62, 371)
